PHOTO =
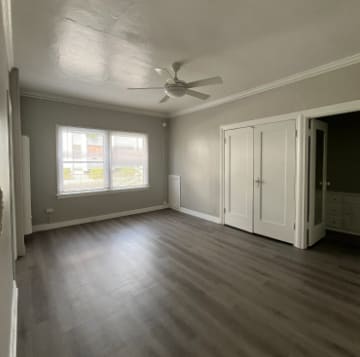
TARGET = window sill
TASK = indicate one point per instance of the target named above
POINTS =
(101, 192)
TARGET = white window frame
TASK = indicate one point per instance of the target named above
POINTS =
(107, 163)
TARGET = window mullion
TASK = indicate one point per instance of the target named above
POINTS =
(109, 159)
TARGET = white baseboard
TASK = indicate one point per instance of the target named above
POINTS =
(198, 214)
(14, 321)
(74, 222)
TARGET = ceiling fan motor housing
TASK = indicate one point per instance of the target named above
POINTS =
(175, 90)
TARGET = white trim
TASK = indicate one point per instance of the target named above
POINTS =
(297, 77)
(14, 321)
(222, 175)
(74, 222)
(260, 121)
(198, 214)
(301, 185)
(334, 109)
(92, 104)
(8, 32)
(102, 192)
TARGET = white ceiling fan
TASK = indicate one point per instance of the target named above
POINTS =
(175, 87)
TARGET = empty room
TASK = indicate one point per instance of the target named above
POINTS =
(179, 178)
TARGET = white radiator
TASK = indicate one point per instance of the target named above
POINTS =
(174, 191)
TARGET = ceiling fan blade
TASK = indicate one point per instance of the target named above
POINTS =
(164, 71)
(146, 88)
(205, 82)
(196, 94)
(164, 99)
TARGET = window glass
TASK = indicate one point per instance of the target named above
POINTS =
(128, 160)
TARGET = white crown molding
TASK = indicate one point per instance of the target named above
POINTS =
(329, 67)
(92, 104)
(7, 24)
(104, 217)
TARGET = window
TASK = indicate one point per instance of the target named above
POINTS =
(99, 160)
(128, 160)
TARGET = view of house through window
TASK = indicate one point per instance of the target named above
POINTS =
(98, 160)
(128, 159)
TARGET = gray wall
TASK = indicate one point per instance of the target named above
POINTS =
(194, 138)
(6, 238)
(344, 152)
(39, 120)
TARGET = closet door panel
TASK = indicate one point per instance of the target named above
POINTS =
(274, 178)
(238, 201)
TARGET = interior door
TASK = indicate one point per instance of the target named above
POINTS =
(238, 202)
(317, 180)
(274, 178)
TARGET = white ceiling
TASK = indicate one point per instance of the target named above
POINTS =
(95, 49)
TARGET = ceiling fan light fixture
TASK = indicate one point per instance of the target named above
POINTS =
(175, 90)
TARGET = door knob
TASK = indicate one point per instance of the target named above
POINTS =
(259, 181)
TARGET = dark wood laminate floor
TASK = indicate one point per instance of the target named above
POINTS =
(168, 284)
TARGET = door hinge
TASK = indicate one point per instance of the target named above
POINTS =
(296, 133)
(224, 210)
(294, 226)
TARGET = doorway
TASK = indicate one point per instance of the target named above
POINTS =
(334, 180)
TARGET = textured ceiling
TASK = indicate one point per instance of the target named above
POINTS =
(95, 49)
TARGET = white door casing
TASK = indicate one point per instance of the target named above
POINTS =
(274, 180)
(317, 180)
(27, 185)
(238, 202)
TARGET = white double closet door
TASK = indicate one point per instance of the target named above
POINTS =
(259, 177)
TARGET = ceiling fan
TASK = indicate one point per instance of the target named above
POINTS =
(175, 87)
